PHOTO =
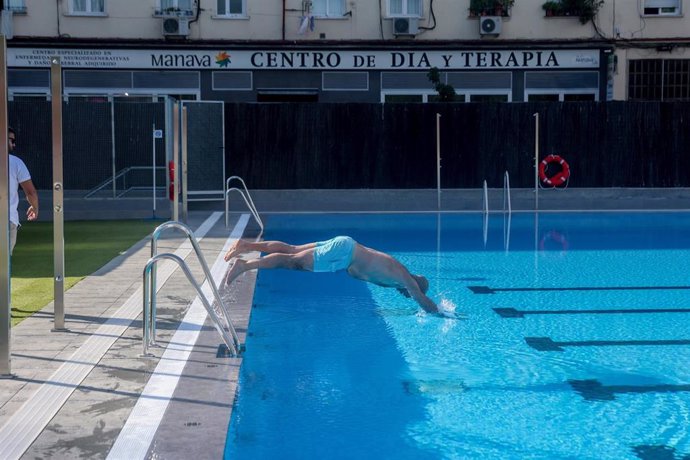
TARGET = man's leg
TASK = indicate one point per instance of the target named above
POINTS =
(267, 247)
(303, 260)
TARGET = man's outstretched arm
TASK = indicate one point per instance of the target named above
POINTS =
(425, 302)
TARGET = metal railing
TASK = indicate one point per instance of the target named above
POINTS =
(506, 193)
(245, 196)
(485, 199)
(122, 175)
(219, 315)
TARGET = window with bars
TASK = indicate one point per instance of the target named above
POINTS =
(88, 6)
(659, 79)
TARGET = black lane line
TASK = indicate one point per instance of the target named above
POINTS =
(514, 313)
(490, 290)
(547, 344)
(593, 390)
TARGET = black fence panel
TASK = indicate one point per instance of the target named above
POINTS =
(30, 117)
(312, 146)
(614, 144)
(87, 143)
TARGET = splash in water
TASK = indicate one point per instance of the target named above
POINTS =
(446, 307)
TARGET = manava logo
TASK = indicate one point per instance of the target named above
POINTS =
(223, 59)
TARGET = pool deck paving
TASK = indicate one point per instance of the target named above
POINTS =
(109, 386)
(97, 407)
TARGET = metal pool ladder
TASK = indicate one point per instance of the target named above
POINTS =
(245, 196)
(506, 193)
(220, 314)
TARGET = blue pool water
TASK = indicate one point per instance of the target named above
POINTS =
(576, 343)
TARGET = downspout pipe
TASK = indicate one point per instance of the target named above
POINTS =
(283, 15)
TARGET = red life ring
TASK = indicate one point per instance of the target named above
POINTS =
(560, 177)
(553, 236)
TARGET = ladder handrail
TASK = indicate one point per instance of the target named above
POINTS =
(247, 199)
(154, 252)
(149, 298)
(227, 208)
(506, 192)
(485, 206)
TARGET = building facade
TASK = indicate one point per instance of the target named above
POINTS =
(353, 50)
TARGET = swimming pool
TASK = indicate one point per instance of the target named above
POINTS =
(576, 345)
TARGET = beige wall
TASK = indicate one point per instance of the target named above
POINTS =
(135, 19)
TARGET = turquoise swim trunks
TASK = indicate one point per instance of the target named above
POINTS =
(334, 254)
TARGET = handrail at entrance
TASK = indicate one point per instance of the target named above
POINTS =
(506, 193)
(152, 281)
(247, 199)
(227, 332)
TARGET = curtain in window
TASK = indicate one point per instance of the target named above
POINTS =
(15, 4)
(220, 7)
(184, 4)
(79, 5)
(97, 6)
(165, 4)
(396, 6)
(319, 8)
(335, 8)
(414, 7)
(327, 8)
(236, 7)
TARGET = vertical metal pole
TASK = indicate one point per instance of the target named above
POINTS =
(5, 290)
(438, 159)
(536, 161)
(176, 158)
(153, 166)
(112, 136)
(184, 164)
(58, 214)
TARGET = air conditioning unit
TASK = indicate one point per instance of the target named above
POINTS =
(176, 26)
(405, 26)
(490, 25)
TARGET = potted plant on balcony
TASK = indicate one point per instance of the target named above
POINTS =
(553, 8)
(490, 7)
(588, 9)
(501, 7)
(478, 7)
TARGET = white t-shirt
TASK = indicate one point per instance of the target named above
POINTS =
(18, 173)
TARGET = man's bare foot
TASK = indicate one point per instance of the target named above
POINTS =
(236, 270)
(235, 250)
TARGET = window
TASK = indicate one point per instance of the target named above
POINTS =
(88, 6)
(231, 8)
(661, 7)
(659, 80)
(183, 7)
(405, 8)
(17, 6)
(328, 8)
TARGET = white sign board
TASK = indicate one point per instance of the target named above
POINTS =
(307, 59)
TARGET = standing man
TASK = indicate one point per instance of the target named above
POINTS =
(19, 176)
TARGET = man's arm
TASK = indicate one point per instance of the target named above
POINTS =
(425, 302)
(32, 198)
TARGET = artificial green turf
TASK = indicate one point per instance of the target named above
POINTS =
(88, 246)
